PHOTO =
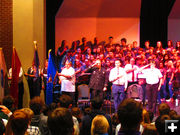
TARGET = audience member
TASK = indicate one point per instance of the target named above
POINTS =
(99, 125)
(130, 117)
(60, 122)
(96, 106)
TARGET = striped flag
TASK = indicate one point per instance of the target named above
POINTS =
(51, 72)
(3, 71)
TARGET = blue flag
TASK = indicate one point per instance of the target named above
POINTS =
(51, 72)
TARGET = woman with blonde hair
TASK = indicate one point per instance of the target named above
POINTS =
(99, 125)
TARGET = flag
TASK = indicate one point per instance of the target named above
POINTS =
(51, 72)
(37, 78)
(36, 61)
(3, 71)
(16, 65)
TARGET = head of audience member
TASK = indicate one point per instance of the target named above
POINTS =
(96, 103)
(164, 109)
(98, 63)
(67, 64)
(170, 43)
(95, 41)
(2, 127)
(74, 45)
(17, 123)
(110, 39)
(60, 122)
(159, 44)
(76, 112)
(132, 61)
(170, 64)
(99, 125)
(147, 43)
(172, 113)
(65, 101)
(135, 44)
(63, 43)
(160, 123)
(79, 51)
(152, 64)
(117, 63)
(150, 130)
(36, 105)
(123, 41)
(145, 117)
(84, 40)
(29, 113)
(89, 51)
(87, 111)
(178, 45)
(111, 54)
(8, 101)
(130, 115)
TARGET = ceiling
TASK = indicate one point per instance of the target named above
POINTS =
(106, 8)
(99, 8)
(175, 12)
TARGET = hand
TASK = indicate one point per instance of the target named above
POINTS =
(170, 82)
(104, 89)
(159, 88)
(5, 109)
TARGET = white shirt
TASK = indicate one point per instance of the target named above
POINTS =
(152, 75)
(114, 74)
(129, 75)
(68, 85)
(20, 74)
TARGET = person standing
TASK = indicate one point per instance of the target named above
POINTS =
(118, 77)
(132, 72)
(98, 81)
(67, 80)
(154, 80)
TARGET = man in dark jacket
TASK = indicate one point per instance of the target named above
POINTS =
(99, 79)
(96, 106)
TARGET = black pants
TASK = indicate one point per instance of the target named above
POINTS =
(152, 91)
(20, 95)
(95, 93)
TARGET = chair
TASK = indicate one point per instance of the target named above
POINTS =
(135, 91)
(83, 94)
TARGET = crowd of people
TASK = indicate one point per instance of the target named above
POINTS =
(121, 67)
(62, 118)
(119, 71)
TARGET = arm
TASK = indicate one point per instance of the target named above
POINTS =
(126, 81)
(140, 69)
(160, 83)
(66, 76)
(172, 76)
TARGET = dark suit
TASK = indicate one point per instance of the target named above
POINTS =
(98, 81)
